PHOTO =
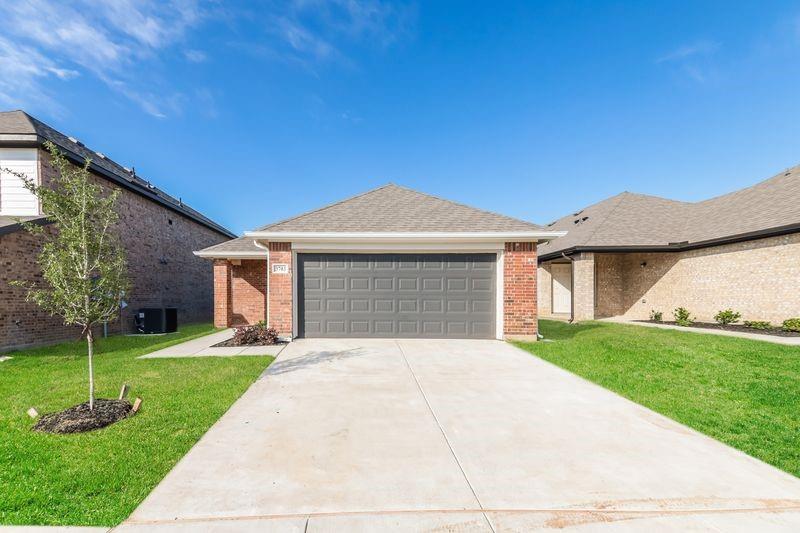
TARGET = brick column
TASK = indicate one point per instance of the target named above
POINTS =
(222, 293)
(280, 288)
(519, 290)
(583, 285)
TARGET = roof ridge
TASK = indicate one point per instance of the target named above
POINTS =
(324, 207)
(494, 213)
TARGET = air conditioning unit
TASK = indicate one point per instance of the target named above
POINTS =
(157, 320)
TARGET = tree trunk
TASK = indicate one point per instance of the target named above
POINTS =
(90, 343)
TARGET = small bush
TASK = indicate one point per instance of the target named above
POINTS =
(258, 334)
(792, 324)
(656, 316)
(728, 316)
(757, 324)
(682, 317)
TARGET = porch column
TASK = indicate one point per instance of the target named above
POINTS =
(583, 286)
(222, 293)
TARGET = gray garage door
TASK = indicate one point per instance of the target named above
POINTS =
(396, 295)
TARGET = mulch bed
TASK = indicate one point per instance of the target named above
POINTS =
(79, 418)
(230, 342)
(777, 332)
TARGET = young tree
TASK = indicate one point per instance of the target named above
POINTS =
(82, 261)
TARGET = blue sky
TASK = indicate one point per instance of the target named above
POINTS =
(253, 112)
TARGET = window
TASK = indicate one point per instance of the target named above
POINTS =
(15, 199)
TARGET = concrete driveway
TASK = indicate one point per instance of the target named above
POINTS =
(420, 435)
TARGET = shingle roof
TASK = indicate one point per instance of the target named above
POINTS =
(21, 123)
(392, 208)
(633, 220)
(242, 245)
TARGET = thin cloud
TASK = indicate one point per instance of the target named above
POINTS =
(700, 48)
(195, 56)
(105, 39)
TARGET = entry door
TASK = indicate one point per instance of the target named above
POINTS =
(397, 295)
(562, 287)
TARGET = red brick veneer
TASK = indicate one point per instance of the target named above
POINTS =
(280, 288)
(519, 289)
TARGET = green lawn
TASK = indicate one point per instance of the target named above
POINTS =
(744, 393)
(98, 478)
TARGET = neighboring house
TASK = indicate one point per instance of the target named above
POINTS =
(632, 253)
(158, 232)
(391, 262)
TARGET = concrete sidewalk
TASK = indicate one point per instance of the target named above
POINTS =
(419, 435)
(204, 347)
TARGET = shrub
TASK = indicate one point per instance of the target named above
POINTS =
(792, 324)
(257, 334)
(682, 317)
(656, 316)
(728, 316)
(757, 324)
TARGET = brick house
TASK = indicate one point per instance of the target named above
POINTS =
(158, 232)
(632, 253)
(391, 262)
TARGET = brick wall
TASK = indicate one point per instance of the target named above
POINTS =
(249, 290)
(519, 289)
(280, 288)
(759, 278)
(222, 293)
(163, 270)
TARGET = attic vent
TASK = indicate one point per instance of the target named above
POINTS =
(580, 220)
(73, 139)
(788, 172)
(577, 213)
(101, 155)
(552, 223)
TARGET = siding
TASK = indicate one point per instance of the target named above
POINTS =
(15, 199)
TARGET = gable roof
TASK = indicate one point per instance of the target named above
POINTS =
(392, 208)
(17, 128)
(630, 220)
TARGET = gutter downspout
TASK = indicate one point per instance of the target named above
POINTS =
(259, 245)
(571, 288)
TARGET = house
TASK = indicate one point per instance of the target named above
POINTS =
(391, 262)
(632, 253)
(158, 232)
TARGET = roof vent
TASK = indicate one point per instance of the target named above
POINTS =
(101, 155)
(73, 139)
(577, 213)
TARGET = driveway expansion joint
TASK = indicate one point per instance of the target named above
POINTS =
(444, 435)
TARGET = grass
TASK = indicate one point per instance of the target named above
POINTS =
(744, 393)
(98, 478)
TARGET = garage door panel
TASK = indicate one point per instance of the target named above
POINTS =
(385, 295)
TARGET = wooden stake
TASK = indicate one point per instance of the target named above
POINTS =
(136, 405)
(123, 393)
(33, 413)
